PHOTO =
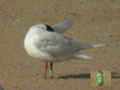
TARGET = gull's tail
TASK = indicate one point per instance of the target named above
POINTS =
(98, 45)
(83, 56)
(85, 46)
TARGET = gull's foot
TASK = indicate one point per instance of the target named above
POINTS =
(51, 74)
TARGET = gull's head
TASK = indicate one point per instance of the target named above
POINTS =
(42, 28)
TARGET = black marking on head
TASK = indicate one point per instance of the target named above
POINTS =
(49, 28)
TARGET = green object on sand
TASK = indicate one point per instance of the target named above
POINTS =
(51, 73)
(99, 77)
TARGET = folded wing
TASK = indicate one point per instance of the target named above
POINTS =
(63, 26)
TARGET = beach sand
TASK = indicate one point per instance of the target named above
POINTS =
(95, 21)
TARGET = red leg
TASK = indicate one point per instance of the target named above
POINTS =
(51, 65)
(46, 69)
(51, 70)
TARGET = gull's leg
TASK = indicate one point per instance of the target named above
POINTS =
(46, 69)
(51, 70)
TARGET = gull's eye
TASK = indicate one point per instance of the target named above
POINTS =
(49, 28)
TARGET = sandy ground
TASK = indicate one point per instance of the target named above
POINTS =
(94, 21)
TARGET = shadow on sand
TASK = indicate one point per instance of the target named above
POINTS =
(115, 75)
(75, 76)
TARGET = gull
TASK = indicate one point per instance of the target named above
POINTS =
(48, 44)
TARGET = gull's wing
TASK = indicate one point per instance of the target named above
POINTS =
(63, 26)
(84, 45)
(59, 45)
(54, 44)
